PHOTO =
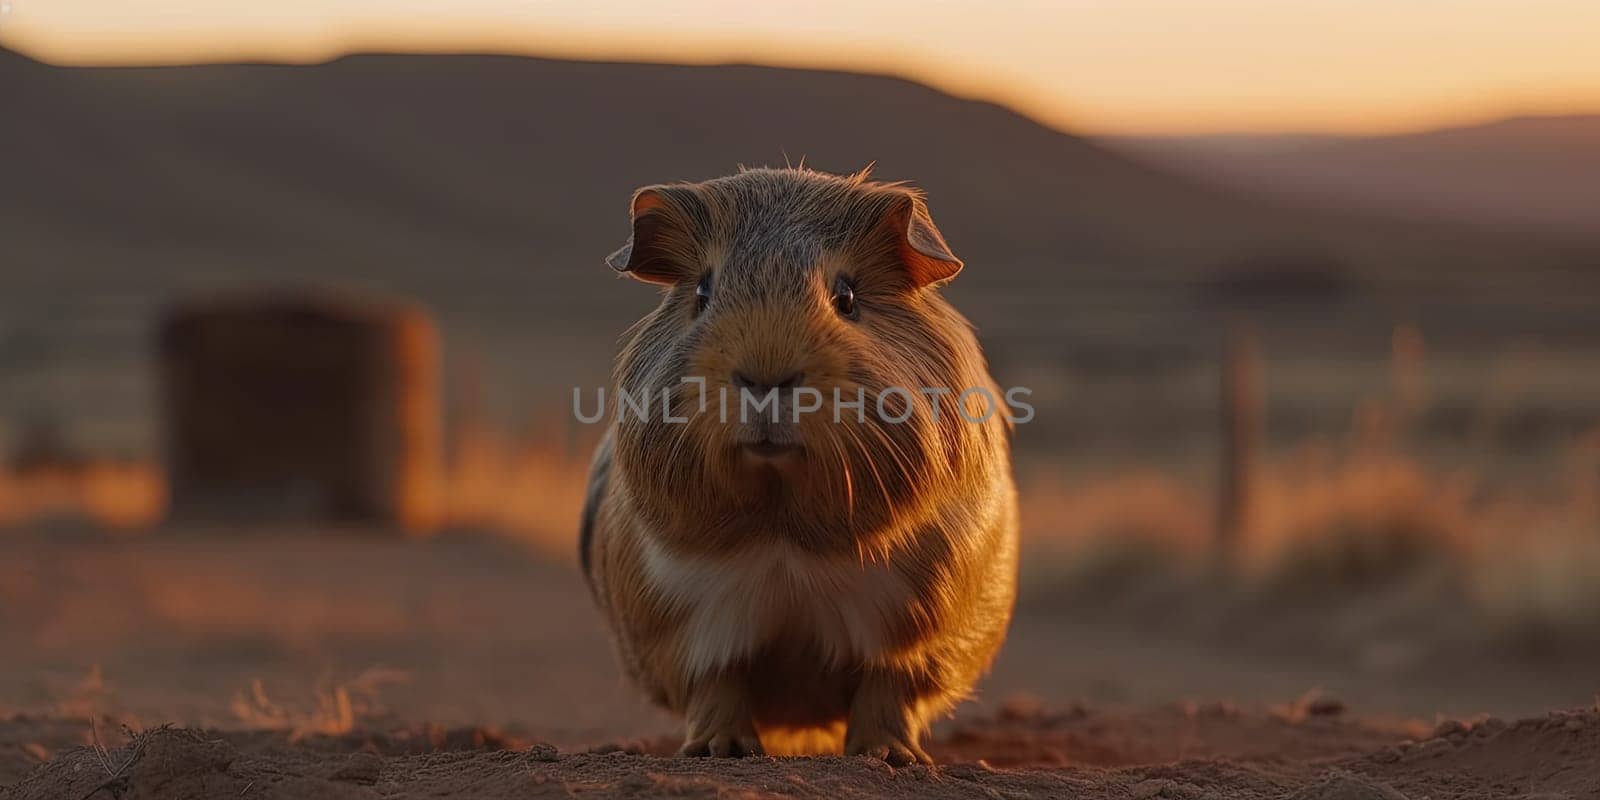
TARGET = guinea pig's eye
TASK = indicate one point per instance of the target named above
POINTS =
(844, 298)
(702, 294)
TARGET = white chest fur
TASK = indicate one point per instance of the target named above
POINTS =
(734, 606)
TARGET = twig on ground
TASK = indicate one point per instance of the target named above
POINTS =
(103, 755)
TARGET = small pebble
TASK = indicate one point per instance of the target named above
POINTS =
(1326, 707)
(543, 752)
(1431, 748)
(1151, 788)
(361, 768)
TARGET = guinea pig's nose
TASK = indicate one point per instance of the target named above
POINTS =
(790, 381)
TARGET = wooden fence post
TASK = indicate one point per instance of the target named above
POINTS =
(1242, 412)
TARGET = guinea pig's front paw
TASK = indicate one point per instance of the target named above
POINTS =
(897, 751)
(723, 744)
(719, 721)
(882, 723)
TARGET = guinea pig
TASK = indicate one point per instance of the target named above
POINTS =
(787, 581)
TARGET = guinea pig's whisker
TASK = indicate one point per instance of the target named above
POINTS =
(674, 448)
(904, 466)
(849, 482)
(832, 440)
(877, 476)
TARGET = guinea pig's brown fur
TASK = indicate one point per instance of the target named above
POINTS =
(781, 582)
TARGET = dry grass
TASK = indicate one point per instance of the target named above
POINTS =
(530, 488)
(119, 496)
(334, 708)
(1352, 517)
(1359, 519)
(1082, 535)
(1330, 516)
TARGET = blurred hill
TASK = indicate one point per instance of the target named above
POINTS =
(490, 187)
(517, 169)
(1535, 173)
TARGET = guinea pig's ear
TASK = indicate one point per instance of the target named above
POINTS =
(921, 247)
(660, 249)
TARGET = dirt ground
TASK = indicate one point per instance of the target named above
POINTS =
(349, 664)
(1019, 753)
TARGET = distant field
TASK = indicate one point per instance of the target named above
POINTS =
(1103, 283)
(1120, 378)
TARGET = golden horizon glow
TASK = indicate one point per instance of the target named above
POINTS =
(1137, 67)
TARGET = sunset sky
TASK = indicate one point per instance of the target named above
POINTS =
(1103, 66)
